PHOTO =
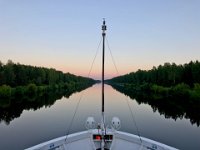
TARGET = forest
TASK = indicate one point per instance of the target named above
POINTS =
(172, 90)
(168, 80)
(18, 80)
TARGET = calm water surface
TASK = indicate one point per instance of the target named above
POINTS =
(36, 126)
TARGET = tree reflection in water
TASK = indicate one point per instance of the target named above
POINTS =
(12, 108)
(169, 106)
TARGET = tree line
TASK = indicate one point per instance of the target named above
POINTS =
(20, 75)
(173, 90)
(168, 81)
(18, 80)
(164, 75)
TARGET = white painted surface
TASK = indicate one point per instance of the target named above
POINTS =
(83, 140)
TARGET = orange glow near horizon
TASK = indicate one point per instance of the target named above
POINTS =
(82, 68)
(79, 69)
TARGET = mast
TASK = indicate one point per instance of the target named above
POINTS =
(103, 55)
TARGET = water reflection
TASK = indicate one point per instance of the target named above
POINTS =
(13, 108)
(47, 122)
(175, 107)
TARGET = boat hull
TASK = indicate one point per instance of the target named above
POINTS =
(84, 140)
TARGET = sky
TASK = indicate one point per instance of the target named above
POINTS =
(65, 34)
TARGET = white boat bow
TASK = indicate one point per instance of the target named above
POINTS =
(91, 140)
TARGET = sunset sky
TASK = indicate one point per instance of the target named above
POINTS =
(64, 34)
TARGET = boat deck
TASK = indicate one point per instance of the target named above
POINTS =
(84, 141)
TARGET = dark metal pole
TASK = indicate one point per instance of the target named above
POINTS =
(103, 116)
(103, 55)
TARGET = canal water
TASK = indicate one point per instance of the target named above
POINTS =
(35, 125)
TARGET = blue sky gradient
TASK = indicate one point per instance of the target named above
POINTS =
(64, 34)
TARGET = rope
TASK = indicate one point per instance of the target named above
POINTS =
(113, 60)
(133, 119)
(77, 105)
(132, 115)
(74, 116)
(94, 58)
